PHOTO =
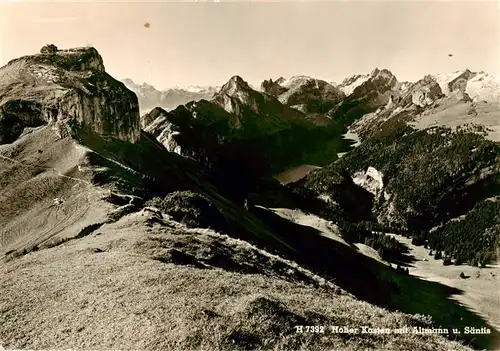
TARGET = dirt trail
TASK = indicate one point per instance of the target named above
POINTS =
(46, 167)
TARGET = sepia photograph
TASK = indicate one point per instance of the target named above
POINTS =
(249, 175)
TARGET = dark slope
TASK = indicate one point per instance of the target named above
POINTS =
(430, 177)
(247, 132)
(98, 168)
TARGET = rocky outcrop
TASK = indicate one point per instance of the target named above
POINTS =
(156, 122)
(68, 90)
(253, 111)
(240, 128)
(151, 116)
(306, 94)
(304, 89)
(273, 88)
(377, 85)
(372, 180)
(422, 93)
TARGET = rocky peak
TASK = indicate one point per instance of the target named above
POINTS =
(75, 59)
(234, 85)
(303, 89)
(350, 80)
(234, 94)
(148, 118)
(379, 83)
(460, 82)
(273, 88)
(68, 90)
(383, 76)
(280, 80)
(422, 93)
(375, 72)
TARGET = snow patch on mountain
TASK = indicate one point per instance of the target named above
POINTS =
(443, 79)
(349, 84)
(197, 89)
(484, 87)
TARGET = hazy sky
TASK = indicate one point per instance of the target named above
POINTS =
(207, 43)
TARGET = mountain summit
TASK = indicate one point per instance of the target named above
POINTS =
(70, 91)
(233, 85)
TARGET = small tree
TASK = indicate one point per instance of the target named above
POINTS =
(438, 255)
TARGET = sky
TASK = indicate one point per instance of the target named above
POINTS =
(205, 43)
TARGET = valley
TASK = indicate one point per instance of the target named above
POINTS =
(226, 221)
(478, 291)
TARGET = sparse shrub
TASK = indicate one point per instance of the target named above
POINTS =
(190, 208)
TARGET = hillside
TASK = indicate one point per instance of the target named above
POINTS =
(249, 131)
(112, 241)
(430, 173)
(160, 286)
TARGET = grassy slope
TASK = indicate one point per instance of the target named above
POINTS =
(30, 181)
(440, 293)
(112, 291)
(163, 172)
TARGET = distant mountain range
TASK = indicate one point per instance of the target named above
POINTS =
(149, 97)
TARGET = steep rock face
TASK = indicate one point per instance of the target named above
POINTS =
(235, 93)
(460, 82)
(149, 117)
(379, 82)
(422, 93)
(240, 128)
(254, 112)
(371, 180)
(157, 123)
(378, 90)
(273, 88)
(69, 90)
